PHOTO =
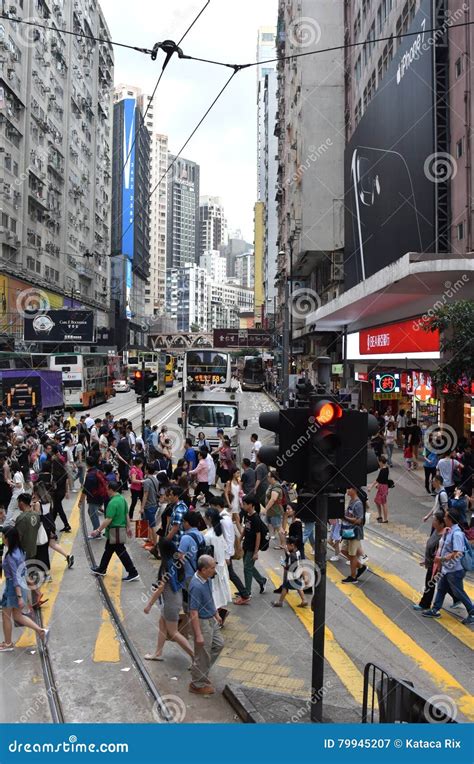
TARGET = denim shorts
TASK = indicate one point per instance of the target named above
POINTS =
(275, 521)
(9, 598)
(150, 513)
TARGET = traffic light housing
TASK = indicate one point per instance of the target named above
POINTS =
(144, 383)
(323, 448)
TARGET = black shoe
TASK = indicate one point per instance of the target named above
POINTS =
(66, 529)
(361, 571)
(131, 577)
(70, 560)
(277, 591)
(97, 572)
(349, 580)
(308, 590)
(262, 586)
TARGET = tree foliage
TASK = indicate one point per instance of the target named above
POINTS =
(455, 323)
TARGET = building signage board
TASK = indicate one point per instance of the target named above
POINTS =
(60, 326)
(399, 340)
(242, 338)
(391, 168)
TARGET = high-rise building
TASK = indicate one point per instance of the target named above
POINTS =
(212, 224)
(55, 155)
(226, 302)
(245, 269)
(182, 245)
(310, 131)
(235, 246)
(215, 265)
(131, 220)
(267, 160)
(187, 297)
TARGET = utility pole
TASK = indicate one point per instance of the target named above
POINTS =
(144, 398)
(285, 360)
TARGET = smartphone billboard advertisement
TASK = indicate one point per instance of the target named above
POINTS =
(389, 180)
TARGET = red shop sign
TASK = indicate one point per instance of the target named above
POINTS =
(401, 337)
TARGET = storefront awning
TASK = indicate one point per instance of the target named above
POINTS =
(411, 286)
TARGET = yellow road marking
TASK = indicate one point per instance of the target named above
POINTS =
(107, 646)
(341, 664)
(447, 621)
(51, 590)
(468, 588)
(405, 644)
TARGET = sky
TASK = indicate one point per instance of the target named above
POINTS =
(225, 145)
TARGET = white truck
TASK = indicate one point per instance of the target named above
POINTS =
(211, 398)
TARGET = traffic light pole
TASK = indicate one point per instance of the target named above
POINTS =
(319, 608)
(143, 400)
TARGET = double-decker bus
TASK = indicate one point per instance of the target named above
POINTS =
(169, 373)
(253, 374)
(86, 378)
(155, 362)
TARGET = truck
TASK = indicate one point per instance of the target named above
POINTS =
(210, 398)
(27, 390)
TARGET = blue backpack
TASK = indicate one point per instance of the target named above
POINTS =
(172, 575)
(467, 560)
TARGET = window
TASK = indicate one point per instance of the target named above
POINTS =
(357, 25)
(358, 69)
(460, 148)
(458, 67)
(268, 37)
(460, 231)
(366, 7)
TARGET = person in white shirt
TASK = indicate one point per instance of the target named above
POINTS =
(17, 485)
(89, 422)
(230, 533)
(211, 467)
(256, 446)
(447, 467)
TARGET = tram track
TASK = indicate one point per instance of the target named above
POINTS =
(159, 704)
(54, 701)
(133, 411)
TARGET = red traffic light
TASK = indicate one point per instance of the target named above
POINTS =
(138, 375)
(327, 412)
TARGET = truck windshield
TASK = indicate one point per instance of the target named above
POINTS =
(213, 416)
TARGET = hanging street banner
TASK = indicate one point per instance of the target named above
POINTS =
(242, 338)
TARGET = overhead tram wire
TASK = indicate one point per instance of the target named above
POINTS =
(290, 57)
(236, 68)
(169, 48)
(152, 52)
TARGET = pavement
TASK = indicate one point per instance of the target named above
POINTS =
(268, 651)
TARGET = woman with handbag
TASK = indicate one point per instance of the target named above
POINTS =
(352, 533)
(117, 526)
(382, 482)
(41, 503)
(214, 536)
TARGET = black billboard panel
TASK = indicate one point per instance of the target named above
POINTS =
(60, 326)
(389, 183)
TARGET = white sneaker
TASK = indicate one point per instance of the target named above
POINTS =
(334, 558)
(348, 562)
(455, 605)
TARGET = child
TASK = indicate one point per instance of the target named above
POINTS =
(408, 454)
(292, 576)
(335, 539)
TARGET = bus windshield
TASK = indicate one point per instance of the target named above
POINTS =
(207, 367)
(215, 415)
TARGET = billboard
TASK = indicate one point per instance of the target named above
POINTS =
(389, 163)
(60, 326)
(399, 337)
(128, 178)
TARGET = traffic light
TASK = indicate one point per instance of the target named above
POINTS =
(144, 382)
(323, 448)
(292, 428)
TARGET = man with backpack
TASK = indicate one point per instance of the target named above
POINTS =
(151, 496)
(255, 538)
(191, 546)
(456, 558)
(95, 491)
(175, 527)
